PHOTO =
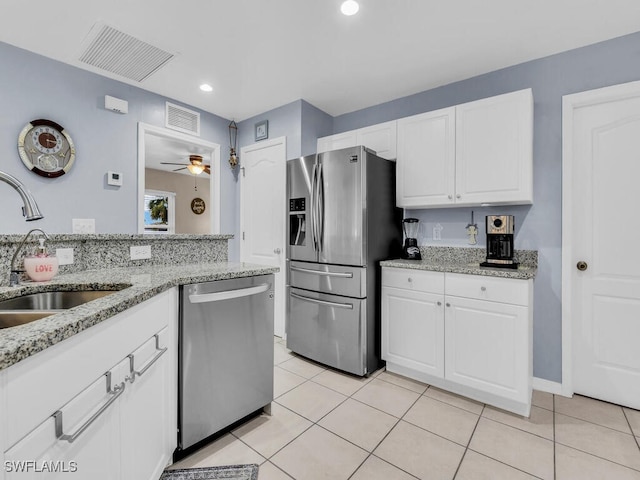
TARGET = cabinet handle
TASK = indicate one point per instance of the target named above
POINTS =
(458, 196)
(133, 372)
(71, 437)
(409, 279)
(450, 197)
(439, 304)
(448, 304)
(484, 289)
(277, 251)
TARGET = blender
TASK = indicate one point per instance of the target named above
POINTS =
(410, 249)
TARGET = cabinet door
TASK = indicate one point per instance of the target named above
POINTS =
(94, 454)
(425, 174)
(413, 330)
(381, 138)
(494, 150)
(337, 141)
(487, 346)
(146, 410)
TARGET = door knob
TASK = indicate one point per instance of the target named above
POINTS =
(582, 266)
(277, 251)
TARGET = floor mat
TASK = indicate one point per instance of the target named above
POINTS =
(230, 472)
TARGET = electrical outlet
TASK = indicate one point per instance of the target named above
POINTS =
(83, 225)
(65, 256)
(140, 252)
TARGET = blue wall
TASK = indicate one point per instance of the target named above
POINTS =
(31, 87)
(538, 226)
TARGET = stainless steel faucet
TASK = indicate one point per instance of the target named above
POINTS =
(14, 276)
(30, 210)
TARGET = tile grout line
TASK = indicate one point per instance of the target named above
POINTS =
(466, 448)
(631, 428)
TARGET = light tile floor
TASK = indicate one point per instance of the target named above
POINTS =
(329, 425)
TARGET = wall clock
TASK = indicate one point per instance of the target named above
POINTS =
(46, 148)
(198, 206)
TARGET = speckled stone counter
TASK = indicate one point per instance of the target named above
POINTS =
(467, 261)
(135, 285)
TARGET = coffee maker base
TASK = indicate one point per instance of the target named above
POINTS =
(512, 266)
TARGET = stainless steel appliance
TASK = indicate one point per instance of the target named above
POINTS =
(500, 229)
(225, 354)
(410, 249)
(342, 222)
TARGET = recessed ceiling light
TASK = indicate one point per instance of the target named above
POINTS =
(205, 87)
(349, 7)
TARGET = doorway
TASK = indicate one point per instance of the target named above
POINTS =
(179, 143)
(601, 279)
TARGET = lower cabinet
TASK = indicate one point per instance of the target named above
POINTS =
(468, 334)
(120, 424)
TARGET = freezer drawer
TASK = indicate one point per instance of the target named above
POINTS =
(328, 329)
(332, 279)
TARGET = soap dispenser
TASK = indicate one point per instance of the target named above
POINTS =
(41, 266)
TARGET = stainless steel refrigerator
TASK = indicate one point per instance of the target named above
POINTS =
(342, 222)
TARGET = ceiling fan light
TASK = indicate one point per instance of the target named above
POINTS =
(195, 169)
(349, 7)
(205, 87)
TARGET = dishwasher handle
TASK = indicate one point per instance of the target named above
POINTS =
(228, 294)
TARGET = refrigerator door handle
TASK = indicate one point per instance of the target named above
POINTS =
(321, 273)
(320, 207)
(312, 208)
(322, 302)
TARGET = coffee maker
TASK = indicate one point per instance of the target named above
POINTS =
(500, 230)
(410, 249)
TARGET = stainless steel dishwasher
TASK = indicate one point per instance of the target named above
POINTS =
(225, 354)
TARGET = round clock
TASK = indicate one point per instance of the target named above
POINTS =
(46, 148)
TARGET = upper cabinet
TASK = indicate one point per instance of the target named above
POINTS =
(380, 138)
(476, 153)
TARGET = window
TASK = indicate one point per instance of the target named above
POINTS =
(159, 211)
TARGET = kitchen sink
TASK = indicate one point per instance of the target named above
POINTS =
(28, 308)
(14, 318)
(53, 300)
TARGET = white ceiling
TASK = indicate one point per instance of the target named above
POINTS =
(260, 54)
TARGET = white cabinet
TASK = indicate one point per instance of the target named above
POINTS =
(425, 168)
(101, 403)
(471, 154)
(413, 320)
(468, 334)
(380, 138)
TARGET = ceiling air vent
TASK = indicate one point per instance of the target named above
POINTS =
(182, 119)
(116, 52)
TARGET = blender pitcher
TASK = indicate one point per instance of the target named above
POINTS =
(410, 249)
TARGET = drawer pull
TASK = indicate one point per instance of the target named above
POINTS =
(321, 273)
(409, 279)
(133, 372)
(448, 304)
(484, 289)
(71, 437)
(439, 304)
(323, 302)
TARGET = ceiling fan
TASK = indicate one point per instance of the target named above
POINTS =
(194, 166)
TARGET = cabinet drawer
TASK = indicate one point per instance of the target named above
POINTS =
(495, 289)
(417, 280)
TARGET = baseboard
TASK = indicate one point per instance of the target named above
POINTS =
(548, 386)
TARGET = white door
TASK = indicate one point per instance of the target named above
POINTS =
(262, 213)
(601, 258)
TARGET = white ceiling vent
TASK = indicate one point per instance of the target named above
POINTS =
(116, 52)
(182, 119)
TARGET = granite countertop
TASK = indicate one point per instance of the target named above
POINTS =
(523, 272)
(135, 285)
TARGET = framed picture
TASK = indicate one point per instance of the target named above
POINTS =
(262, 130)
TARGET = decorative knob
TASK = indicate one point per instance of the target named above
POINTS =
(277, 251)
(448, 304)
(484, 289)
(450, 197)
(439, 303)
(458, 196)
(582, 266)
